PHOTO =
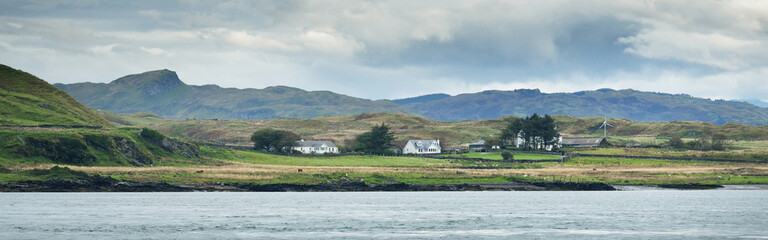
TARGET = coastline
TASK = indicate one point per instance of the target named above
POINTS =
(129, 186)
(100, 184)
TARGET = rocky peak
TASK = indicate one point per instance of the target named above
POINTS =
(153, 82)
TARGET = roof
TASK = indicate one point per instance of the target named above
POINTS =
(303, 143)
(481, 142)
(423, 144)
(582, 141)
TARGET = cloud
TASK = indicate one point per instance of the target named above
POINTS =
(392, 49)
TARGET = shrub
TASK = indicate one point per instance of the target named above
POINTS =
(507, 156)
(98, 141)
(151, 134)
(676, 142)
(62, 150)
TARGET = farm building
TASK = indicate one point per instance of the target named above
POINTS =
(480, 146)
(422, 147)
(318, 147)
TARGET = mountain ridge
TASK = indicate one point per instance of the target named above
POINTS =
(623, 103)
(161, 92)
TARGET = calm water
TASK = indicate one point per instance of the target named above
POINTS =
(651, 214)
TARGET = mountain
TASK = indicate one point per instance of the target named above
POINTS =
(162, 93)
(627, 103)
(28, 100)
(421, 99)
(756, 102)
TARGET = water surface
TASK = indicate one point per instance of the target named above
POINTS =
(649, 214)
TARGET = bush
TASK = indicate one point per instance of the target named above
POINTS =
(676, 142)
(62, 150)
(98, 141)
(507, 156)
(151, 134)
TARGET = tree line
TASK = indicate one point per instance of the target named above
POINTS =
(376, 141)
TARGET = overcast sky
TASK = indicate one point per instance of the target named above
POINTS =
(396, 49)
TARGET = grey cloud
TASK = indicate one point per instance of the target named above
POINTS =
(355, 46)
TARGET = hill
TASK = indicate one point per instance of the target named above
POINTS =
(163, 93)
(421, 99)
(756, 102)
(28, 103)
(407, 127)
(627, 104)
(28, 100)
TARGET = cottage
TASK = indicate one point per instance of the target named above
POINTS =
(422, 147)
(584, 142)
(318, 147)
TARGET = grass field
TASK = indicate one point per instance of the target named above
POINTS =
(229, 166)
(743, 154)
(369, 161)
(497, 156)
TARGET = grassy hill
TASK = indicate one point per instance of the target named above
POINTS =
(163, 93)
(627, 104)
(409, 126)
(28, 100)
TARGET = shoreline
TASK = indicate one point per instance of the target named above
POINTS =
(111, 185)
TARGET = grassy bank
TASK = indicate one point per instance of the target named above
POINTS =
(231, 166)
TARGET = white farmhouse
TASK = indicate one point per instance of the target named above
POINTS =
(318, 147)
(422, 147)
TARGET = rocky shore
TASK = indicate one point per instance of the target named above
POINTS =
(104, 184)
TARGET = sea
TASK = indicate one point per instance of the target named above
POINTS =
(634, 213)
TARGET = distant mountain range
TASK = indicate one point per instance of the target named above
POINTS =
(162, 93)
(755, 102)
(627, 104)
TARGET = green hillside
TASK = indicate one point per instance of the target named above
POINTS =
(164, 94)
(28, 100)
(409, 126)
(626, 104)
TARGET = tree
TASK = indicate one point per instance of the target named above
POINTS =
(536, 132)
(490, 143)
(272, 140)
(507, 156)
(350, 145)
(509, 134)
(718, 142)
(376, 141)
(676, 142)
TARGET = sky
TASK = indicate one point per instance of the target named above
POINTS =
(398, 49)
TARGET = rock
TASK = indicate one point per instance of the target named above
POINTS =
(178, 147)
(128, 148)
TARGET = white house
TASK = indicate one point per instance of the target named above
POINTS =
(422, 147)
(319, 147)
